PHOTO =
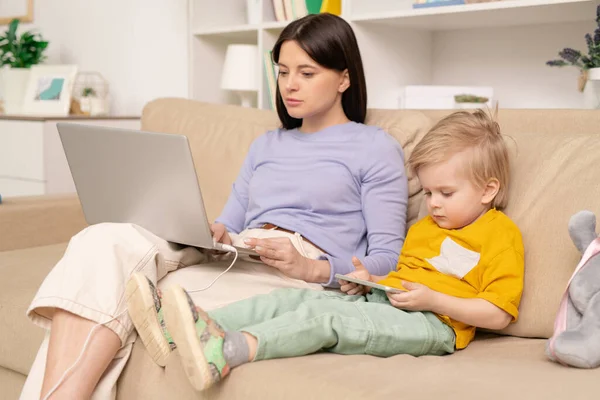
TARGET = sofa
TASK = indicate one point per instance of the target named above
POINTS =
(555, 173)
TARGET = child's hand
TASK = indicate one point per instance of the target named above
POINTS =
(417, 298)
(360, 273)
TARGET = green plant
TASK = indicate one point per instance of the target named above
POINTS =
(23, 51)
(575, 58)
(470, 98)
(88, 92)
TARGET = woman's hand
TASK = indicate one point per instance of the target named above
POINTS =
(220, 233)
(360, 273)
(418, 297)
(280, 253)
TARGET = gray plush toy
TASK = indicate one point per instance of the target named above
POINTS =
(576, 339)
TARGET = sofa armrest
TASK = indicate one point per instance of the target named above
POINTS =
(39, 220)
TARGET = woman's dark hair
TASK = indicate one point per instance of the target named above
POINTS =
(330, 42)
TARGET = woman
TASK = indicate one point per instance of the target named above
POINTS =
(310, 195)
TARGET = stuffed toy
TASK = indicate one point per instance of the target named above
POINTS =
(576, 339)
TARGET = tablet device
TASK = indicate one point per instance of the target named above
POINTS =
(369, 283)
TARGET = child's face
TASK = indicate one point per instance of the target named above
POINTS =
(453, 201)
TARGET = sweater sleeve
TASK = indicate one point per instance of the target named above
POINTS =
(384, 196)
(233, 215)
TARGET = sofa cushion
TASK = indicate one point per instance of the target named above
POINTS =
(490, 368)
(555, 175)
(220, 137)
(22, 272)
(11, 383)
(408, 127)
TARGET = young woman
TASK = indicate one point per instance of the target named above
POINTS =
(311, 195)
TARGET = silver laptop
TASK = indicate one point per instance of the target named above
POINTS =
(144, 178)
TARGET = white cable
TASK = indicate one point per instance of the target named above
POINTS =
(87, 341)
(226, 248)
(220, 246)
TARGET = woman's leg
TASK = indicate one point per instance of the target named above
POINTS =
(86, 288)
(67, 338)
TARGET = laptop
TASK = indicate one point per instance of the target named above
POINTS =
(144, 178)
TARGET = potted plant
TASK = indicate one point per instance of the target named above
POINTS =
(17, 55)
(469, 101)
(588, 64)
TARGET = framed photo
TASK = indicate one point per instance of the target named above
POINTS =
(49, 90)
(19, 9)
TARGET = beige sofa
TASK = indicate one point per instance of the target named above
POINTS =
(556, 173)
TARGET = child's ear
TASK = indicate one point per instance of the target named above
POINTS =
(345, 82)
(490, 191)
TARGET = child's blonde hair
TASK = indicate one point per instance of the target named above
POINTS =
(463, 131)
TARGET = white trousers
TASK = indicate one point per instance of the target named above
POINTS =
(90, 280)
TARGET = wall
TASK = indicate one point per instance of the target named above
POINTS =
(139, 46)
(512, 61)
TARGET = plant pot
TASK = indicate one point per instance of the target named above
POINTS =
(469, 106)
(591, 92)
(13, 84)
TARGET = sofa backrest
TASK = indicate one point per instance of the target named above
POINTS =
(556, 154)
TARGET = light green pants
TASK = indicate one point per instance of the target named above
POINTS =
(296, 322)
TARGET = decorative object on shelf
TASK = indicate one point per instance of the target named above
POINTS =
(244, 81)
(253, 11)
(588, 65)
(433, 97)
(445, 3)
(470, 101)
(21, 10)
(17, 55)
(49, 90)
(90, 94)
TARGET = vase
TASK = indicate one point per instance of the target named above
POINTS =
(13, 84)
(253, 11)
(591, 92)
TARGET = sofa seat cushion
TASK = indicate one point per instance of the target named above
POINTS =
(22, 273)
(490, 368)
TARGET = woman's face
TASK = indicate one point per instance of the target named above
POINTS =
(308, 89)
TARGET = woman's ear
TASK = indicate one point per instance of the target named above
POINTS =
(490, 191)
(345, 82)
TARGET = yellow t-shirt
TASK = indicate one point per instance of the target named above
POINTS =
(482, 260)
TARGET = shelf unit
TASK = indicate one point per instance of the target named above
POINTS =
(503, 44)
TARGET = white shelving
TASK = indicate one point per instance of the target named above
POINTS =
(477, 15)
(503, 44)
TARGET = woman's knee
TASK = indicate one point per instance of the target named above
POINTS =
(107, 232)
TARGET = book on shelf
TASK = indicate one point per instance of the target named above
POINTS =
(270, 76)
(289, 10)
(279, 10)
(332, 7)
(437, 3)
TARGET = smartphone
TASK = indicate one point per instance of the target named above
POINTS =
(369, 283)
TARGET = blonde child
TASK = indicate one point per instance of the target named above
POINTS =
(460, 268)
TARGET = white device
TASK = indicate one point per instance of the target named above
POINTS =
(144, 178)
(374, 285)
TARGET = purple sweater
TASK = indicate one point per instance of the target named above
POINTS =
(344, 188)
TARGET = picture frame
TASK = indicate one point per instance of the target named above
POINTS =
(19, 9)
(49, 90)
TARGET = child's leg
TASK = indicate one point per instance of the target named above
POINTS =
(206, 350)
(351, 328)
(257, 309)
